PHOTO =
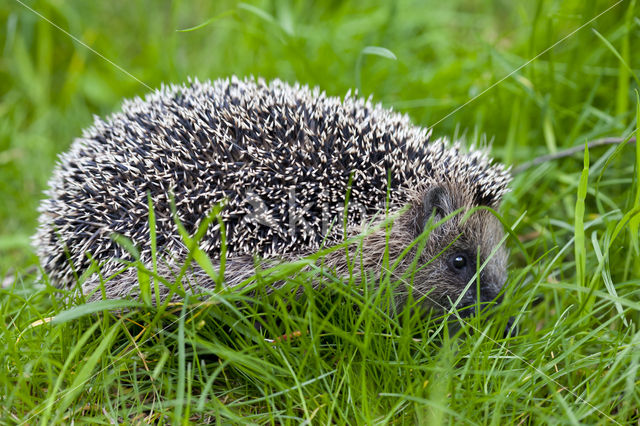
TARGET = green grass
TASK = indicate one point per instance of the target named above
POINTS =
(574, 279)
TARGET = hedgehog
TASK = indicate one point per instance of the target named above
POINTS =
(288, 164)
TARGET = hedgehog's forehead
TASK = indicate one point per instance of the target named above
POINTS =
(479, 230)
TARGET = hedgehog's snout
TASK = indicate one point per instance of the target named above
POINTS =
(490, 293)
(469, 268)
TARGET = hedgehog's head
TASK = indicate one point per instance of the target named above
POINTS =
(466, 245)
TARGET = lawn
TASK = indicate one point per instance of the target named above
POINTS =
(528, 77)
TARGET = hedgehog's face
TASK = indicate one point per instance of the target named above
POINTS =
(456, 252)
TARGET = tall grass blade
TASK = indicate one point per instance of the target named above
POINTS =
(634, 223)
(93, 307)
(617, 55)
(580, 247)
(153, 239)
(622, 93)
(84, 374)
(53, 393)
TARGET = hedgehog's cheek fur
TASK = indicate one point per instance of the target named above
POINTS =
(437, 286)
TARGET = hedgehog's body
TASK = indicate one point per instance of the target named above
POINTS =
(281, 158)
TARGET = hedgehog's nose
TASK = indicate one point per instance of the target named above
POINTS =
(490, 293)
(490, 287)
(492, 297)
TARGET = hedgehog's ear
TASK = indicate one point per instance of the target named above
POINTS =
(435, 206)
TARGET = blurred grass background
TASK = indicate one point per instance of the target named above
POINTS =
(573, 279)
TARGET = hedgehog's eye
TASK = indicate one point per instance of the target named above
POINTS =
(459, 261)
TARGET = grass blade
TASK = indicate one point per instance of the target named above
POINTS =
(93, 307)
(84, 374)
(634, 223)
(617, 55)
(580, 246)
(154, 250)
